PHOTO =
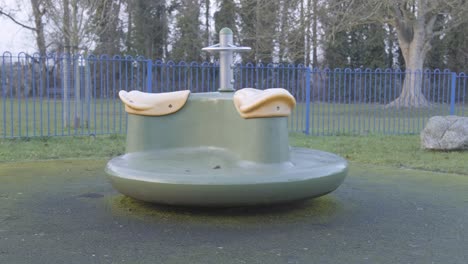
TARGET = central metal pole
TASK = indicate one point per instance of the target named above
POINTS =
(226, 50)
(226, 72)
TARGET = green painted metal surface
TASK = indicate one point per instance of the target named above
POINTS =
(206, 154)
(210, 119)
(225, 31)
(216, 177)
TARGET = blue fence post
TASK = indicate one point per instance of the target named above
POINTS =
(307, 115)
(149, 76)
(452, 93)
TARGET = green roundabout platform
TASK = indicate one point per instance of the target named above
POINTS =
(216, 177)
(207, 154)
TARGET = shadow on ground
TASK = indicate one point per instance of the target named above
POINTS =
(321, 209)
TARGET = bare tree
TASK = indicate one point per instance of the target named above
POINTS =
(413, 20)
(11, 16)
(75, 24)
(39, 12)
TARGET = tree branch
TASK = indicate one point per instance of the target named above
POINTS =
(16, 21)
(430, 25)
(398, 13)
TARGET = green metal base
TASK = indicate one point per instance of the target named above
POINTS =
(205, 176)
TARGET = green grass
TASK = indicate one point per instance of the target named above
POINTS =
(42, 117)
(359, 119)
(394, 151)
(45, 148)
(38, 118)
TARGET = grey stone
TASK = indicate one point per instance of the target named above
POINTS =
(445, 133)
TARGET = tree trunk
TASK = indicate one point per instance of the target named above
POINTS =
(41, 45)
(87, 91)
(77, 103)
(414, 44)
(283, 20)
(302, 33)
(390, 39)
(66, 62)
(314, 34)
(307, 34)
(128, 39)
(66, 89)
(38, 14)
(411, 93)
(207, 28)
(76, 65)
(257, 33)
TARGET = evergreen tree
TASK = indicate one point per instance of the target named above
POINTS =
(360, 46)
(188, 35)
(367, 47)
(457, 49)
(107, 27)
(436, 57)
(334, 43)
(258, 29)
(150, 28)
(363, 47)
(449, 51)
(296, 33)
(225, 17)
(248, 28)
(336, 51)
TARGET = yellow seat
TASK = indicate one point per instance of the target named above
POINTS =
(274, 102)
(153, 104)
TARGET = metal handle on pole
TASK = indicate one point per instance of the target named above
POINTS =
(226, 50)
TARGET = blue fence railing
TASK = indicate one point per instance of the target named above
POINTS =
(61, 95)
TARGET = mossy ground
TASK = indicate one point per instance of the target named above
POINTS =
(67, 212)
(321, 209)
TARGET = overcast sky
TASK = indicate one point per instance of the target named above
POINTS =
(13, 37)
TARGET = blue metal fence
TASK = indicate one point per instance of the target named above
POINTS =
(76, 95)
